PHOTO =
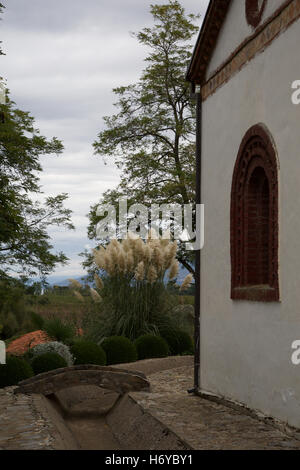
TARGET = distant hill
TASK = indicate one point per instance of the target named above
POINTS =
(63, 280)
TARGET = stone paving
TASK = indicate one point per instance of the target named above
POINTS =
(203, 424)
(22, 426)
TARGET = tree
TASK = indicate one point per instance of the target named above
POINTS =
(1, 10)
(152, 137)
(25, 247)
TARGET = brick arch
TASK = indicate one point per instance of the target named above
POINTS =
(254, 219)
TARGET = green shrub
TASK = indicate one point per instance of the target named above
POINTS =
(86, 352)
(179, 342)
(43, 300)
(37, 320)
(46, 362)
(54, 347)
(119, 350)
(10, 326)
(149, 346)
(58, 330)
(15, 370)
(13, 308)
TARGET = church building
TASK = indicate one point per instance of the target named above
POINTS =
(245, 71)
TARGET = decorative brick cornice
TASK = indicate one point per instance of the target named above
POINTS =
(287, 14)
(206, 42)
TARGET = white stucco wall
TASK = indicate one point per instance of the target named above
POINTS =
(235, 30)
(246, 346)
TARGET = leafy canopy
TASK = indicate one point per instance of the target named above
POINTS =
(151, 138)
(25, 247)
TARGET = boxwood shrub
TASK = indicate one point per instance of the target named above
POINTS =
(179, 342)
(54, 347)
(48, 361)
(87, 352)
(15, 370)
(119, 350)
(150, 346)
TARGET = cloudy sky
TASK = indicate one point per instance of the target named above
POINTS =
(62, 60)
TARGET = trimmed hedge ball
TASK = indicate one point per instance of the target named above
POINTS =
(48, 361)
(150, 346)
(53, 347)
(119, 350)
(15, 370)
(86, 352)
(179, 342)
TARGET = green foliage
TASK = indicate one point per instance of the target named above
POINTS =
(86, 352)
(10, 326)
(37, 320)
(152, 137)
(150, 346)
(46, 362)
(15, 370)
(184, 318)
(53, 347)
(43, 300)
(14, 314)
(179, 341)
(25, 246)
(58, 330)
(119, 350)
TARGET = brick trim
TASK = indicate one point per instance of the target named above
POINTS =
(253, 13)
(256, 151)
(287, 14)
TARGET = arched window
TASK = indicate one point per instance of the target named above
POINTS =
(254, 219)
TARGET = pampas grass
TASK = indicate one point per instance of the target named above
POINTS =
(74, 284)
(134, 298)
(123, 258)
(174, 268)
(78, 295)
(95, 296)
(98, 282)
(186, 282)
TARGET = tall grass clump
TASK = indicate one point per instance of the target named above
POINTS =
(133, 299)
(58, 330)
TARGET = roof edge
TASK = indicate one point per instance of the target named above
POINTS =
(207, 40)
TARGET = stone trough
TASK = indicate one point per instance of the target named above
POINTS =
(92, 407)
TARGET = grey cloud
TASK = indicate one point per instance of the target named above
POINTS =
(66, 15)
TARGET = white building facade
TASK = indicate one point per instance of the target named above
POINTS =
(247, 61)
